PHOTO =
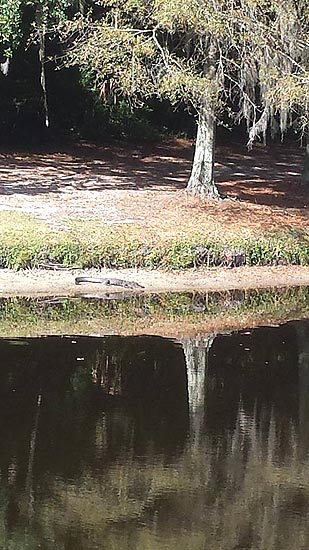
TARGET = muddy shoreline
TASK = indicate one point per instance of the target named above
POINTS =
(38, 282)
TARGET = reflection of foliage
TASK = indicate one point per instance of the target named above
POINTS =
(102, 473)
(162, 504)
(18, 315)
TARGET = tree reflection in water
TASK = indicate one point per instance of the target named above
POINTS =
(146, 443)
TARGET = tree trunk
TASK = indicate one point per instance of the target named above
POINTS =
(81, 6)
(4, 67)
(201, 181)
(305, 172)
(41, 28)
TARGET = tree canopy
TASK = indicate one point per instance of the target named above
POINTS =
(245, 58)
(249, 56)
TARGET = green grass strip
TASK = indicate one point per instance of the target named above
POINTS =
(27, 243)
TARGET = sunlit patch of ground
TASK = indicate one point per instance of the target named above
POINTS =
(144, 186)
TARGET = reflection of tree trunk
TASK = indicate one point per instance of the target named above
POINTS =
(29, 479)
(196, 356)
(107, 373)
(202, 176)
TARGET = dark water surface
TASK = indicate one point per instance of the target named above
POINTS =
(145, 443)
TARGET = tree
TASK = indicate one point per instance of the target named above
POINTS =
(10, 20)
(46, 15)
(211, 54)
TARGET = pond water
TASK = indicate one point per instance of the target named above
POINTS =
(147, 443)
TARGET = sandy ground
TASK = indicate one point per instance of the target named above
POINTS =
(62, 283)
(143, 187)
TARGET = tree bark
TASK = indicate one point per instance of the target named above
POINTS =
(41, 27)
(201, 181)
(305, 172)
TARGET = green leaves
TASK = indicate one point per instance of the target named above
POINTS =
(118, 59)
(254, 53)
(192, 16)
(10, 19)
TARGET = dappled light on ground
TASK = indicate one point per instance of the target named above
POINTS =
(145, 186)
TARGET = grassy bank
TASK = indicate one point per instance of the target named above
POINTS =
(27, 242)
(169, 314)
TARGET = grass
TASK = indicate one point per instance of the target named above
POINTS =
(27, 243)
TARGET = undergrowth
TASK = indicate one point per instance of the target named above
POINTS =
(30, 252)
(27, 243)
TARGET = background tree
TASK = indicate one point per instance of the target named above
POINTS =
(10, 20)
(211, 54)
(28, 25)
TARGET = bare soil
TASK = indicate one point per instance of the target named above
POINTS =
(62, 283)
(144, 186)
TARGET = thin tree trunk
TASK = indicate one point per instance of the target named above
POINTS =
(305, 172)
(40, 21)
(81, 6)
(4, 67)
(201, 181)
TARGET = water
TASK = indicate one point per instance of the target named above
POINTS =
(147, 443)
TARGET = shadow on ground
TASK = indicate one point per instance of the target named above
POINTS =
(266, 176)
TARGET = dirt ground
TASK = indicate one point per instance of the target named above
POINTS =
(144, 186)
(62, 283)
